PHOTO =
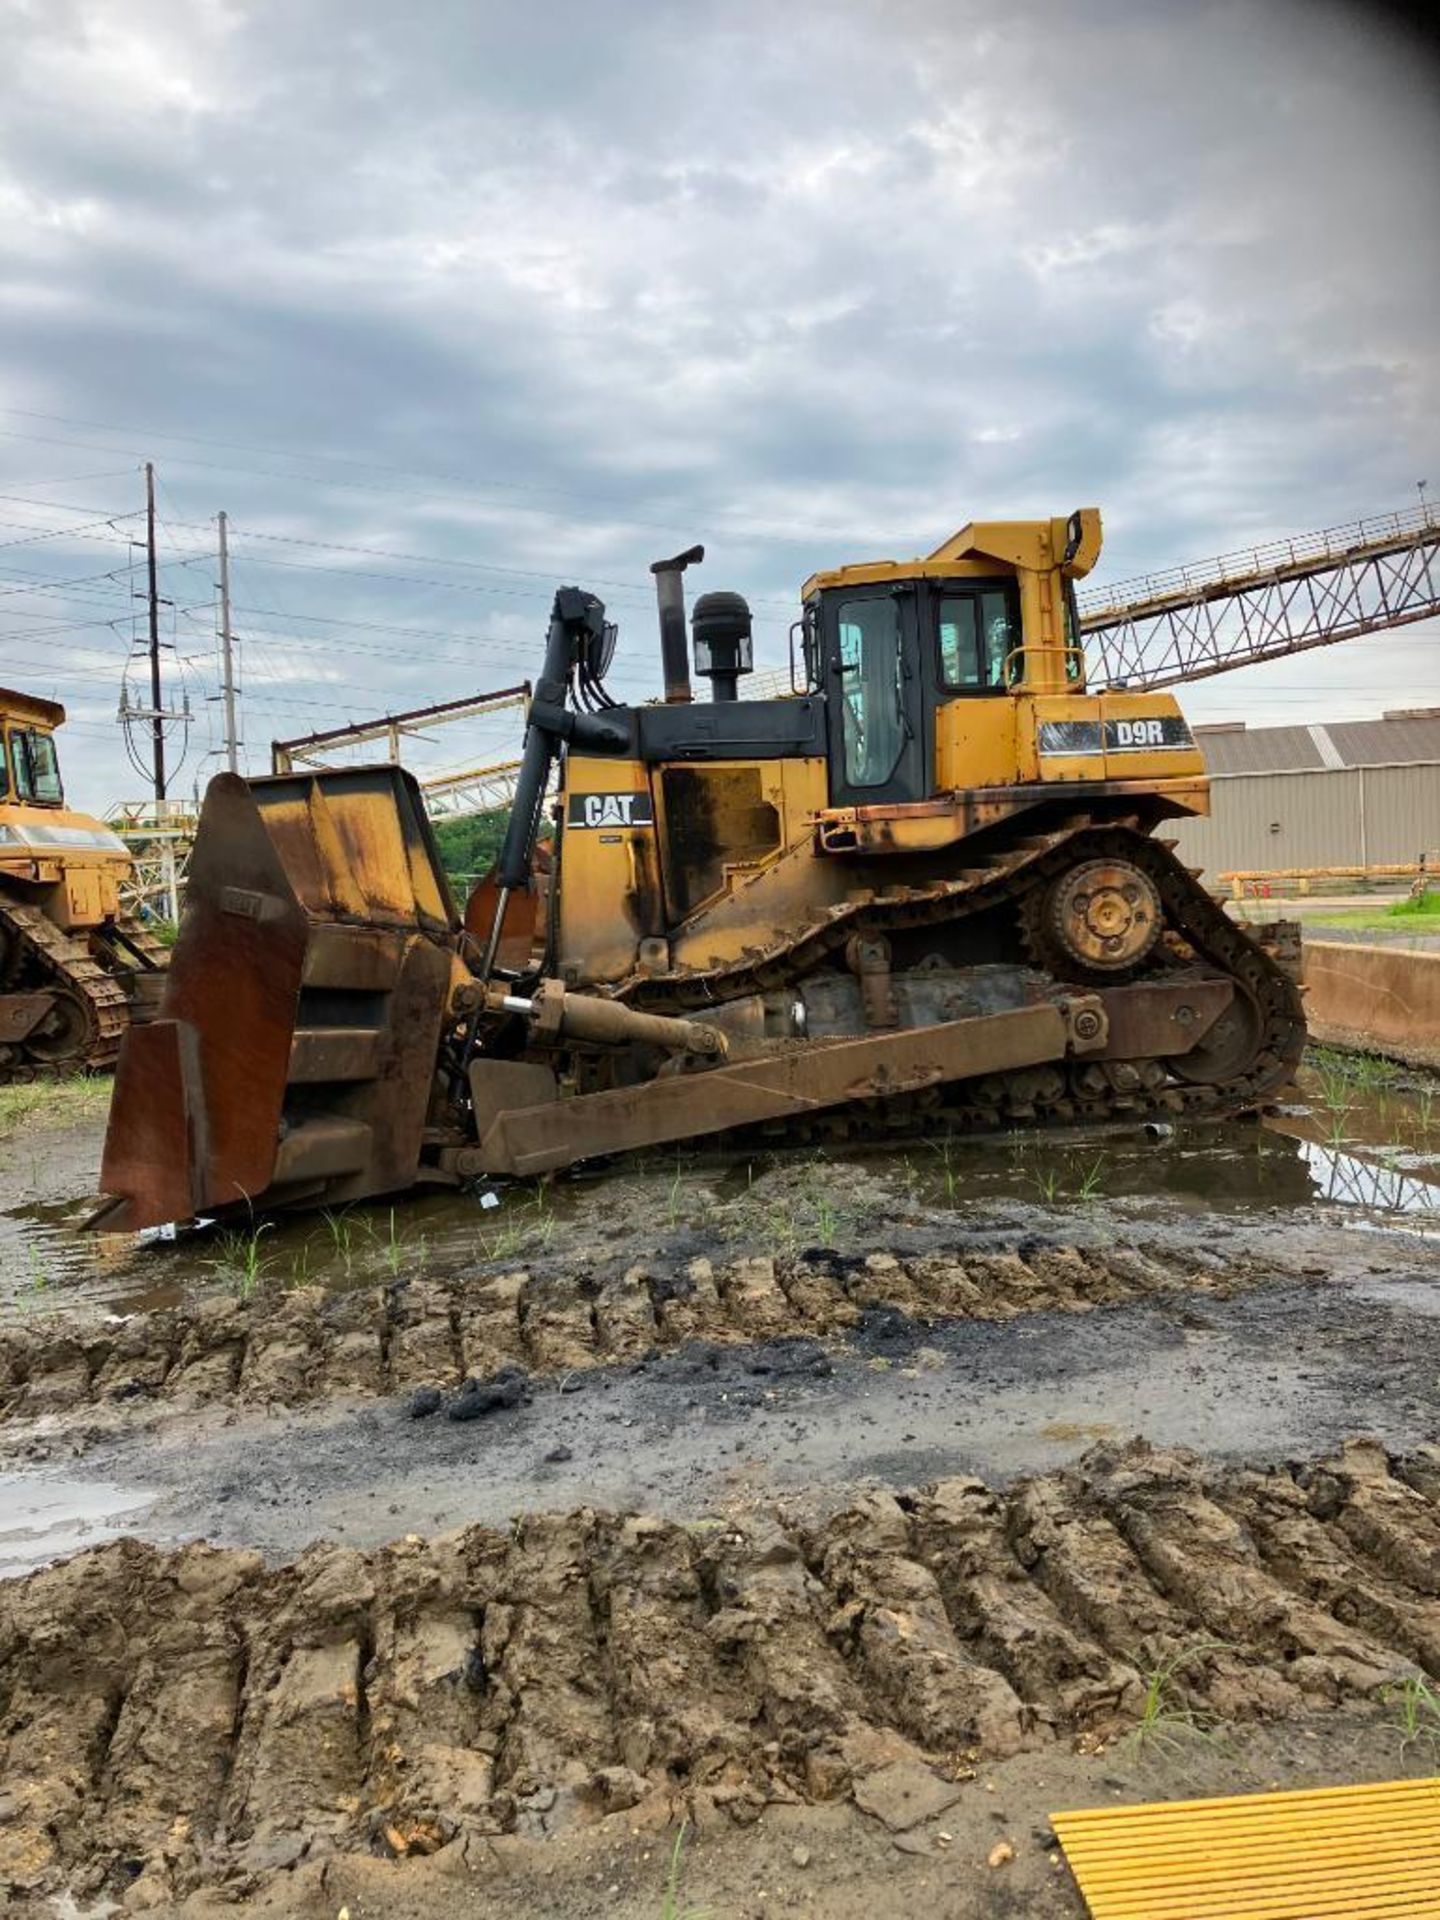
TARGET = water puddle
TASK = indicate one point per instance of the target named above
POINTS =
(1363, 1138)
(1373, 1186)
(45, 1518)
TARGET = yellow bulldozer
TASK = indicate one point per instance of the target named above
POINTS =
(925, 891)
(75, 970)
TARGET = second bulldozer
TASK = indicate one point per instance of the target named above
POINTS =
(75, 969)
(925, 891)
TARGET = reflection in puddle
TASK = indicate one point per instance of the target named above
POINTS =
(1364, 1183)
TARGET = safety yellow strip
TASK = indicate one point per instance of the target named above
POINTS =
(1368, 1851)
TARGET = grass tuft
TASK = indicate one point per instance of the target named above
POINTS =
(238, 1261)
(671, 1909)
(1166, 1720)
(1417, 1718)
(52, 1103)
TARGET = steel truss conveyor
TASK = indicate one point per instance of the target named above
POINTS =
(1265, 602)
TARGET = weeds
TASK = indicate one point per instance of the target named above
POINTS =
(238, 1260)
(1362, 1072)
(391, 1246)
(528, 1229)
(39, 1280)
(1090, 1179)
(1047, 1183)
(1417, 1720)
(1085, 1183)
(671, 1908)
(949, 1173)
(1425, 907)
(1166, 1721)
(340, 1232)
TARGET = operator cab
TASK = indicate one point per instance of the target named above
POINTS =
(29, 763)
(891, 644)
(888, 656)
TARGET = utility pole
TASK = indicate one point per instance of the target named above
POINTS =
(227, 650)
(157, 720)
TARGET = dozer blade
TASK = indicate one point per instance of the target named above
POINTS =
(295, 1048)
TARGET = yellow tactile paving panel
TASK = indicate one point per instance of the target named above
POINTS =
(1371, 1851)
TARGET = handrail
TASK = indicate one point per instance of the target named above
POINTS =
(1122, 598)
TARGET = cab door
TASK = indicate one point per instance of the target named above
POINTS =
(878, 752)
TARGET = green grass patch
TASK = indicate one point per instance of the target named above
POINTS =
(1427, 907)
(51, 1104)
(1398, 916)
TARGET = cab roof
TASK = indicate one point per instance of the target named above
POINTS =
(30, 709)
(986, 547)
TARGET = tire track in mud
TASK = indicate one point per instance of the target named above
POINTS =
(170, 1719)
(292, 1348)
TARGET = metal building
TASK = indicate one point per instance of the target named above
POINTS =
(1347, 793)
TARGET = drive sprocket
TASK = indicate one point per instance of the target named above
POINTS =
(1098, 921)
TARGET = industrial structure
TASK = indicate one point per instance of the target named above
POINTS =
(1347, 794)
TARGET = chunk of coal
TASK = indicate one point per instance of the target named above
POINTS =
(787, 1357)
(881, 1326)
(479, 1397)
(670, 1286)
(692, 1360)
(424, 1401)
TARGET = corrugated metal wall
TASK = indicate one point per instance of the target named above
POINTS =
(1348, 817)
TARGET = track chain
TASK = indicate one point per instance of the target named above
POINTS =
(1030, 1096)
(66, 963)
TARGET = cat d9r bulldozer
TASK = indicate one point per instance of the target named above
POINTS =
(925, 891)
(75, 970)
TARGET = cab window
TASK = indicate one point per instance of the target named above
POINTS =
(979, 632)
(35, 768)
(872, 713)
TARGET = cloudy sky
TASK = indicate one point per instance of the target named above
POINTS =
(446, 303)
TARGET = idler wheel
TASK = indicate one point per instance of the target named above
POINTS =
(65, 1034)
(1228, 1050)
(1103, 916)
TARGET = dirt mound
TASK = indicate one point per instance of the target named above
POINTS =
(288, 1348)
(183, 1718)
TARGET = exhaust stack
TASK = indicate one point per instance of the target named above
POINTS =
(674, 646)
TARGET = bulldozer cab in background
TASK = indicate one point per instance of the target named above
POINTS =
(924, 891)
(29, 764)
(73, 970)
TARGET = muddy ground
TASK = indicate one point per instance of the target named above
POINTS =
(834, 1515)
(186, 1717)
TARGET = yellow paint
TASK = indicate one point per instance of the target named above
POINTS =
(610, 897)
(1312, 1855)
(1033, 554)
(67, 863)
(738, 854)
(976, 742)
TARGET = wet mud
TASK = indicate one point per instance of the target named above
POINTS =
(176, 1718)
(1270, 1374)
(294, 1348)
(476, 1547)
